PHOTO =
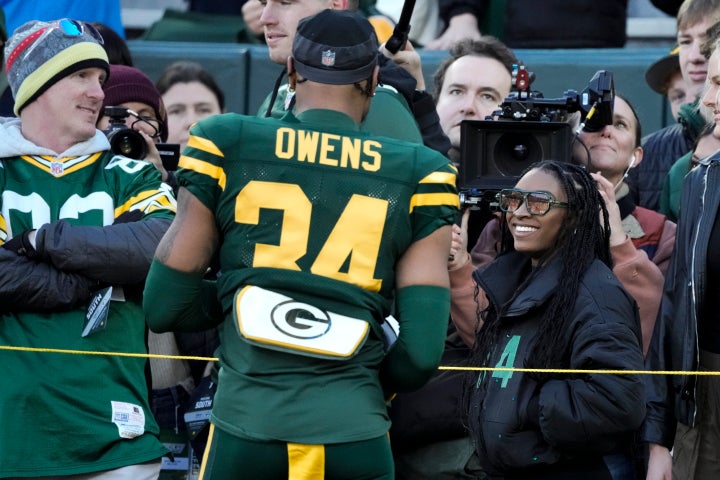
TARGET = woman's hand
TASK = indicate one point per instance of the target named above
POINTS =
(607, 192)
(459, 254)
(153, 156)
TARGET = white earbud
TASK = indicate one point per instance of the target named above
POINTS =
(632, 161)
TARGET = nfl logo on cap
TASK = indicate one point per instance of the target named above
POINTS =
(328, 58)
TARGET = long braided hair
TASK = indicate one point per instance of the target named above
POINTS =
(581, 239)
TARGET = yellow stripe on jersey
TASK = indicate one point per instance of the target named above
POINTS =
(434, 200)
(3, 229)
(90, 160)
(205, 168)
(68, 164)
(440, 177)
(305, 461)
(205, 145)
(149, 201)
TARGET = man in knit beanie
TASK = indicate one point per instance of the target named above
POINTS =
(73, 250)
(39, 54)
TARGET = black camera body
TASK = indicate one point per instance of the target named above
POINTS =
(123, 140)
(130, 143)
(526, 129)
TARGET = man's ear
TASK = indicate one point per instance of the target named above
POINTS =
(375, 79)
(340, 4)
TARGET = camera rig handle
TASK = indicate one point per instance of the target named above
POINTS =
(595, 102)
(402, 28)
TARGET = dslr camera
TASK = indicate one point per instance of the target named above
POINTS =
(123, 140)
(129, 143)
(526, 129)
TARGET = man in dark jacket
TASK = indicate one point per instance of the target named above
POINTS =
(661, 149)
(697, 31)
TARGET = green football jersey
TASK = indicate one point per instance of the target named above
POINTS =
(314, 210)
(71, 413)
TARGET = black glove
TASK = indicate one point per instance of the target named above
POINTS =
(129, 216)
(21, 245)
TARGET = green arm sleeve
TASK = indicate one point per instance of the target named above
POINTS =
(179, 301)
(423, 313)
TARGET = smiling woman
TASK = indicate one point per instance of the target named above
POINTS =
(550, 301)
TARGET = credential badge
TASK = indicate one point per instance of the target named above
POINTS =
(328, 58)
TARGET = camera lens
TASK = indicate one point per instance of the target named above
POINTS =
(128, 143)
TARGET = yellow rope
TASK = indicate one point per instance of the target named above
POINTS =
(442, 367)
(113, 354)
(561, 370)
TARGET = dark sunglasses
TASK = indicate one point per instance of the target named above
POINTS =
(536, 203)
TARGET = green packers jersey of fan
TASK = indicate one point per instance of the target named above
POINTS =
(314, 214)
(71, 413)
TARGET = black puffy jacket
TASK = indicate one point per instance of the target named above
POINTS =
(521, 422)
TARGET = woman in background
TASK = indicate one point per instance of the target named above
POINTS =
(190, 94)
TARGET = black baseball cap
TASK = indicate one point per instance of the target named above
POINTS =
(335, 47)
(658, 74)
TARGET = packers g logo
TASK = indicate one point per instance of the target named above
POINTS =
(300, 320)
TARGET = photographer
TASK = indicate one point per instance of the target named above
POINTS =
(471, 83)
(173, 381)
(130, 88)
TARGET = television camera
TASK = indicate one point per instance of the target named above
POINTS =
(527, 128)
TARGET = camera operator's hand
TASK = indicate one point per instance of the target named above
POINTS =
(459, 254)
(153, 156)
(607, 192)
(409, 59)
